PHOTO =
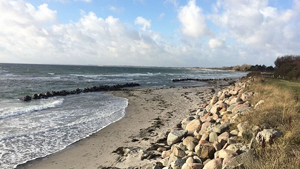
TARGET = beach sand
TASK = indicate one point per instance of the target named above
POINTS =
(150, 114)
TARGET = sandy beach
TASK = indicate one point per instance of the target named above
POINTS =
(150, 114)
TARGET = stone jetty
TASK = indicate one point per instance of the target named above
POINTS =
(78, 91)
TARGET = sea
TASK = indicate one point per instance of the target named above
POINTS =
(35, 129)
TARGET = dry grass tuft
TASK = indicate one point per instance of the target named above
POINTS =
(280, 111)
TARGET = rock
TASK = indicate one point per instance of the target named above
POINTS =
(215, 109)
(175, 136)
(186, 121)
(205, 126)
(241, 109)
(204, 137)
(177, 164)
(26, 98)
(205, 117)
(217, 146)
(157, 165)
(224, 137)
(201, 113)
(243, 127)
(232, 140)
(214, 164)
(203, 142)
(161, 149)
(234, 132)
(205, 151)
(197, 159)
(221, 128)
(172, 158)
(189, 142)
(255, 128)
(258, 104)
(194, 125)
(35, 96)
(232, 106)
(178, 152)
(213, 100)
(224, 153)
(166, 154)
(267, 136)
(197, 135)
(246, 96)
(192, 166)
(164, 161)
(213, 137)
(189, 160)
(246, 157)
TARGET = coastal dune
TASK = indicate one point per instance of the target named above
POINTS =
(150, 114)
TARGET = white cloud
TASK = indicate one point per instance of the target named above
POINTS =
(91, 40)
(264, 29)
(215, 43)
(174, 2)
(116, 9)
(161, 16)
(251, 32)
(144, 22)
(193, 21)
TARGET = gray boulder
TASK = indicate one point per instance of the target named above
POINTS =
(175, 136)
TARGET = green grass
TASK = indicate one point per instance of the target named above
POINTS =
(285, 84)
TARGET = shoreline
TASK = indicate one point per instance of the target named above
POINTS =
(150, 114)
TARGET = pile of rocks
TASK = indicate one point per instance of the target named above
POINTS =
(211, 138)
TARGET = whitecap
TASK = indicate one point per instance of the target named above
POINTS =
(9, 112)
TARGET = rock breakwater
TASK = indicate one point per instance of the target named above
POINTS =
(78, 91)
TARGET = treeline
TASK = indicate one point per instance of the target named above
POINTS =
(287, 67)
(246, 67)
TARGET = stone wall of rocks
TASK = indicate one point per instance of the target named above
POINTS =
(209, 140)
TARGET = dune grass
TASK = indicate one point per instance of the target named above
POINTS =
(281, 110)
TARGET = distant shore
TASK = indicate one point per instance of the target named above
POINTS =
(150, 114)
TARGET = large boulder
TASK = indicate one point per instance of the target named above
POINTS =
(26, 98)
(258, 104)
(178, 152)
(224, 153)
(221, 128)
(243, 128)
(213, 137)
(189, 142)
(214, 164)
(267, 135)
(205, 151)
(177, 164)
(213, 100)
(192, 166)
(186, 121)
(194, 125)
(175, 136)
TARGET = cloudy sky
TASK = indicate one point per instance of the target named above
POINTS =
(202, 33)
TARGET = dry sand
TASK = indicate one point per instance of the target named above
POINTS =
(150, 114)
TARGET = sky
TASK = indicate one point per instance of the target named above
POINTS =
(176, 33)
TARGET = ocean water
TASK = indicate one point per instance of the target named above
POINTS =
(29, 130)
